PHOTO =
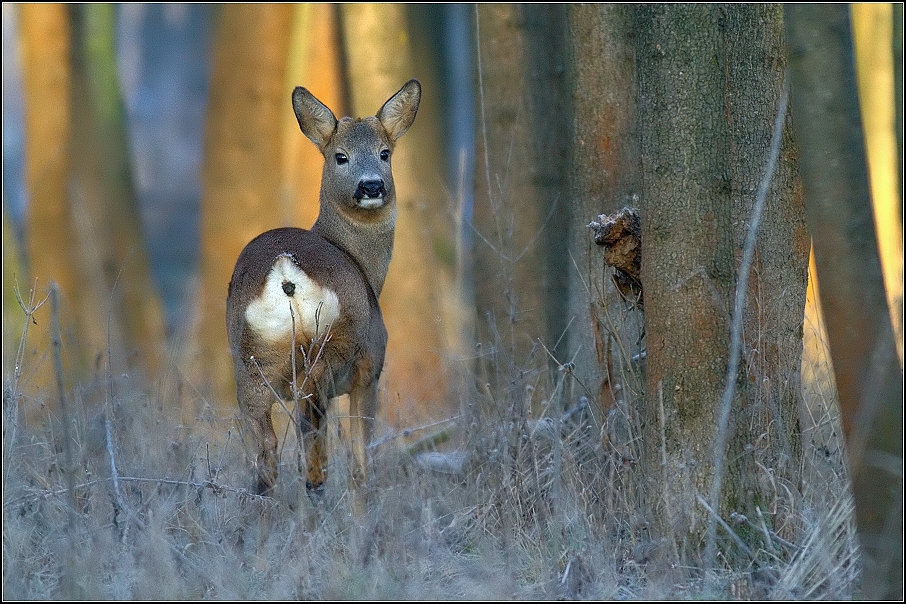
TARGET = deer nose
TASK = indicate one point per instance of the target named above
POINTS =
(370, 188)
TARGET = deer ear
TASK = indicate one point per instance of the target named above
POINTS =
(315, 119)
(398, 113)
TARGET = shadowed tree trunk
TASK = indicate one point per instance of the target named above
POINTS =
(521, 199)
(766, 451)
(442, 218)
(687, 255)
(838, 202)
(709, 83)
(110, 232)
(604, 175)
(379, 50)
(241, 170)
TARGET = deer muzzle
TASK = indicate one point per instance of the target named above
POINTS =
(370, 190)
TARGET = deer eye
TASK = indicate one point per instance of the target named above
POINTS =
(385, 154)
(341, 158)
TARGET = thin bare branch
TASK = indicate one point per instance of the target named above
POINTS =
(726, 404)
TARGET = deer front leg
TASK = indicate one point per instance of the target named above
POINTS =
(362, 406)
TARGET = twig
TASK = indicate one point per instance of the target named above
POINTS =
(68, 581)
(119, 504)
(429, 441)
(484, 129)
(11, 393)
(662, 425)
(57, 344)
(770, 535)
(207, 484)
(409, 431)
(29, 310)
(300, 453)
(725, 526)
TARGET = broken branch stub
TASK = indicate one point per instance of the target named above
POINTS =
(620, 235)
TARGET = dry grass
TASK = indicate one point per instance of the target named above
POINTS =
(515, 507)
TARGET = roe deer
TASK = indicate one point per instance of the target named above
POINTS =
(302, 312)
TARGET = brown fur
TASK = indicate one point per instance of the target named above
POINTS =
(347, 251)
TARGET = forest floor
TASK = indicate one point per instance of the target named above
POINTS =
(140, 492)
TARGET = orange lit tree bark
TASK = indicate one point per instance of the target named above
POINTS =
(379, 51)
(315, 63)
(50, 238)
(241, 170)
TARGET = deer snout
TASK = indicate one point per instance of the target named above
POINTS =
(370, 189)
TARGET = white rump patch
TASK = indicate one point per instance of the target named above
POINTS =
(314, 308)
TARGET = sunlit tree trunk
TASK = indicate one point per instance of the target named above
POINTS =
(875, 74)
(50, 239)
(83, 225)
(521, 197)
(314, 62)
(869, 377)
(379, 52)
(709, 82)
(241, 171)
(898, 91)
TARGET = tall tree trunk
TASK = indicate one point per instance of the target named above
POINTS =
(441, 217)
(51, 247)
(521, 200)
(709, 80)
(872, 36)
(109, 215)
(241, 169)
(838, 203)
(378, 45)
(315, 62)
(766, 450)
(898, 91)
(687, 255)
(604, 176)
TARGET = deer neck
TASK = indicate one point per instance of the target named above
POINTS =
(366, 235)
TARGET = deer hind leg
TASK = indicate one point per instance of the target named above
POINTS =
(255, 403)
(311, 419)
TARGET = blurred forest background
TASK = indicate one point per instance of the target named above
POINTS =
(145, 144)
